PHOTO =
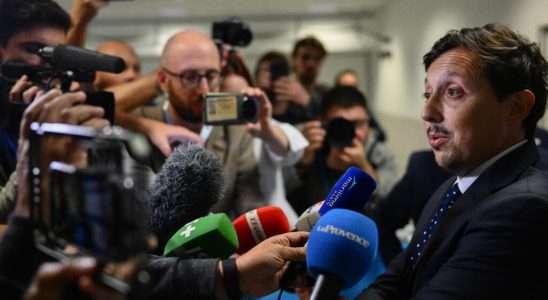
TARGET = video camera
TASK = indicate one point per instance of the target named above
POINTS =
(96, 207)
(233, 32)
(66, 64)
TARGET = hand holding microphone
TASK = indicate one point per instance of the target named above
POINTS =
(351, 191)
(340, 251)
(259, 224)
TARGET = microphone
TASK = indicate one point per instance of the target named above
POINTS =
(351, 191)
(309, 217)
(259, 224)
(212, 236)
(341, 249)
(71, 57)
(189, 183)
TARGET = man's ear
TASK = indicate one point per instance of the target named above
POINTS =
(161, 79)
(520, 105)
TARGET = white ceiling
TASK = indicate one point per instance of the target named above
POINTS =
(342, 25)
(158, 9)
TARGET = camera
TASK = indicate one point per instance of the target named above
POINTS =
(66, 64)
(230, 109)
(233, 32)
(339, 132)
(93, 208)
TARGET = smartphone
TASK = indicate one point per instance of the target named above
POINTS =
(230, 109)
(278, 68)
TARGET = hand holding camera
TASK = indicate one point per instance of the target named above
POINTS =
(315, 135)
(287, 89)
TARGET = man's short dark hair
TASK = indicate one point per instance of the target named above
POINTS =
(270, 57)
(17, 16)
(510, 61)
(311, 42)
(344, 97)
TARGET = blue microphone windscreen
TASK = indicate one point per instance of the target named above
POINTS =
(343, 243)
(351, 191)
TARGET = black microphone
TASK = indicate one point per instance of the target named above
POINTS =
(190, 182)
(71, 57)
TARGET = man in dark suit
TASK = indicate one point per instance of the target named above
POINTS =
(482, 235)
(406, 200)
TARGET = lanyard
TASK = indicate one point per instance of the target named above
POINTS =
(8, 140)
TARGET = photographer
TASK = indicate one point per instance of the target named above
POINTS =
(190, 68)
(336, 144)
(172, 277)
(275, 145)
(25, 26)
(19, 259)
(298, 99)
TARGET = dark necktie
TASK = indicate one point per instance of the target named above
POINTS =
(448, 200)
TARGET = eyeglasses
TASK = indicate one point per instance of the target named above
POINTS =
(191, 78)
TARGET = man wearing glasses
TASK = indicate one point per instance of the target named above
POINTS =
(190, 68)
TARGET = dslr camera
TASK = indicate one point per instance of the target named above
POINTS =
(339, 132)
(93, 208)
(233, 32)
(230, 109)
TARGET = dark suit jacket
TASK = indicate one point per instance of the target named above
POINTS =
(490, 245)
(406, 200)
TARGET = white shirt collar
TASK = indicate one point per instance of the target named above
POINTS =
(466, 181)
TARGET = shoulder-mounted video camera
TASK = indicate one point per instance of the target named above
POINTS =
(66, 64)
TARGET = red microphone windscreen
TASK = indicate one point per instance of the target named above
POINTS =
(257, 225)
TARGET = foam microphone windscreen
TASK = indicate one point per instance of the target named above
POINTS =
(342, 243)
(212, 236)
(190, 182)
(259, 224)
(351, 191)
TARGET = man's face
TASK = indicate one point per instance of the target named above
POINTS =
(21, 47)
(356, 115)
(130, 73)
(307, 63)
(187, 100)
(464, 121)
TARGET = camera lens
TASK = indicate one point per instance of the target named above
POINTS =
(250, 109)
(340, 132)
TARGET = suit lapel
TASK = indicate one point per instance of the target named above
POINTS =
(505, 171)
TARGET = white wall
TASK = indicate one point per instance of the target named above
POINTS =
(414, 25)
